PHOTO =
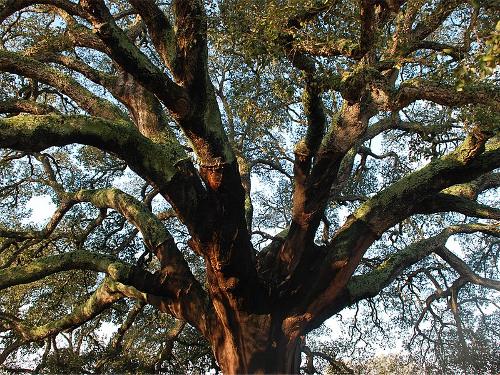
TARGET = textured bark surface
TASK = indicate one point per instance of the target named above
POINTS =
(254, 307)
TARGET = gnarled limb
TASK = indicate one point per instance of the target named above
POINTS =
(464, 270)
(174, 280)
(43, 267)
(9, 7)
(166, 167)
(370, 284)
(203, 127)
(179, 293)
(411, 91)
(304, 223)
(174, 273)
(448, 203)
(133, 61)
(144, 107)
(152, 229)
(472, 189)
(159, 28)
(101, 299)
(371, 220)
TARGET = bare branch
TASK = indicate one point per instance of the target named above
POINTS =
(464, 270)
(370, 284)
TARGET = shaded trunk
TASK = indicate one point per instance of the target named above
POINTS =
(256, 344)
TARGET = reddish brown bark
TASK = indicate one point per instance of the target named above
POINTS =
(256, 307)
(257, 344)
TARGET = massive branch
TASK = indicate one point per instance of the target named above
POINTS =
(181, 297)
(133, 61)
(445, 95)
(101, 299)
(166, 167)
(389, 207)
(15, 63)
(202, 125)
(370, 284)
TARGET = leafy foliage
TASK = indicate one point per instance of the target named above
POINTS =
(422, 95)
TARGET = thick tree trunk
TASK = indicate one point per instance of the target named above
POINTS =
(256, 345)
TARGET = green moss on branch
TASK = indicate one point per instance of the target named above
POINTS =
(83, 260)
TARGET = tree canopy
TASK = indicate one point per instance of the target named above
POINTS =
(227, 175)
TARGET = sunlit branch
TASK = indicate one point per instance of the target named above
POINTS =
(393, 123)
(117, 137)
(144, 107)
(414, 90)
(462, 165)
(448, 203)
(370, 284)
(167, 167)
(472, 189)
(392, 205)
(106, 80)
(152, 230)
(155, 235)
(49, 265)
(172, 289)
(101, 299)
(104, 296)
(10, 7)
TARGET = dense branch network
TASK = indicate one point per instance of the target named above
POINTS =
(160, 116)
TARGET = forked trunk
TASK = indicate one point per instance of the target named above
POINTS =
(256, 345)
